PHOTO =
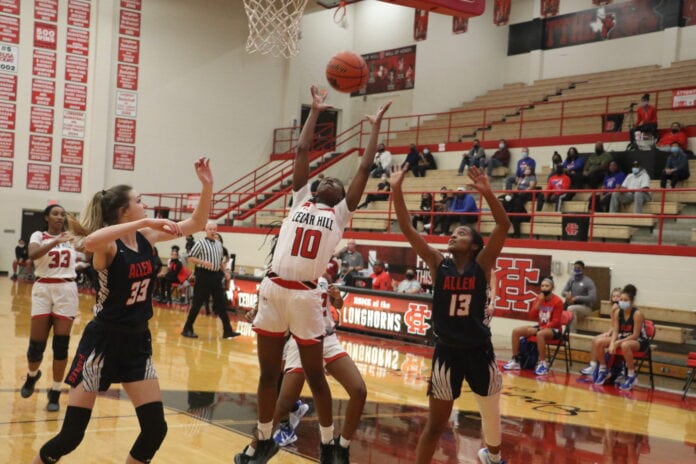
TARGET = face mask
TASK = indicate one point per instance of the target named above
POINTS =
(559, 171)
(674, 130)
(525, 154)
(426, 151)
(674, 149)
(546, 292)
(598, 150)
(409, 276)
(644, 104)
(501, 146)
(635, 170)
(578, 272)
(624, 304)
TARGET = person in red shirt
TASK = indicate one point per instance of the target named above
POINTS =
(380, 278)
(676, 134)
(557, 185)
(646, 120)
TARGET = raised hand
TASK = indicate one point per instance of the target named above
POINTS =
(396, 175)
(479, 180)
(318, 99)
(202, 167)
(379, 114)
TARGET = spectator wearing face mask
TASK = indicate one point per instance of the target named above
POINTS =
(380, 277)
(557, 187)
(458, 206)
(414, 158)
(612, 180)
(580, 294)
(574, 165)
(428, 161)
(515, 203)
(500, 158)
(409, 284)
(474, 157)
(524, 162)
(676, 134)
(637, 179)
(556, 160)
(646, 120)
(677, 167)
(382, 163)
(596, 166)
(602, 339)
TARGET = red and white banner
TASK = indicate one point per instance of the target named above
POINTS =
(78, 41)
(9, 7)
(75, 97)
(46, 10)
(501, 12)
(8, 115)
(40, 148)
(684, 98)
(8, 87)
(549, 8)
(124, 131)
(128, 50)
(72, 151)
(124, 157)
(78, 13)
(70, 179)
(38, 176)
(126, 104)
(41, 121)
(6, 171)
(9, 29)
(127, 77)
(129, 23)
(132, 4)
(9, 58)
(420, 25)
(45, 36)
(460, 25)
(43, 92)
(7, 141)
(44, 64)
(76, 69)
(74, 124)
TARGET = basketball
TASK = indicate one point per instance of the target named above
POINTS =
(347, 72)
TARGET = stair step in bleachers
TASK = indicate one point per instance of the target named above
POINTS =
(693, 235)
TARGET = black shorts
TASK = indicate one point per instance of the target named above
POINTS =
(108, 354)
(451, 365)
(556, 333)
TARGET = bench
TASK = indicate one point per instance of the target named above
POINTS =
(552, 227)
(659, 314)
(663, 333)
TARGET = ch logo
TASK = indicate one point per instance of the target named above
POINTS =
(572, 229)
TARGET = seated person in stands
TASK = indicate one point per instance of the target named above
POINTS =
(580, 294)
(171, 276)
(612, 179)
(602, 339)
(380, 277)
(428, 161)
(596, 166)
(21, 259)
(524, 162)
(646, 120)
(628, 334)
(383, 186)
(440, 206)
(547, 309)
(410, 284)
(574, 166)
(677, 167)
(426, 205)
(474, 157)
(638, 179)
(382, 163)
(676, 134)
(413, 159)
(556, 160)
(515, 203)
(352, 263)
(501, 158)
(457, 209)
(557, 187)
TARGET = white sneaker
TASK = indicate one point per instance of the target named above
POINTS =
(512, 365)
(295, 417)
(587, 370)
(485, 457)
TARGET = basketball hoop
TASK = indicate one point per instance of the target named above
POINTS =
(274, 26)
(340, 12)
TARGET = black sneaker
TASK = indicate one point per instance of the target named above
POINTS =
(53, 400)
(13, 277)
(265, 450)
(327, 453)
(342, 454)
(230, 335)
(188, 333)
(29, 384)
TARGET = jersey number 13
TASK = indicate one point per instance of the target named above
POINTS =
(459, 305)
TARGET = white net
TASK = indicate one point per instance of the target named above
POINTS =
(274, 26)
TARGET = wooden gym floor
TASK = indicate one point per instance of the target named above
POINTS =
(209, 387)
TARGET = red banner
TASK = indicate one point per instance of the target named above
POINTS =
(6, 171)
(390, 70)
(44, 64)
(75, 97)
(78, 41)
(43, 92)
(601, 2)
(8, 114)
(9, 7)
(46, 10)
(38, 176)
(70, 179)
(7, 140)
(688, 13)
(8, 87)
(76, 69)
(501, 12)
(127, 77)
(78, 14)
(684, 98)
(9, 29)
(40, 148)
(128, 50)
(549, 8)
(41, 120)
(72, 151)
(129, 23)
(460, 25)
(125, 131)
(45, 35)
(124, 157)
(132, 4)
(420, 25)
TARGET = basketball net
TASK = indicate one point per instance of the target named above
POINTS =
(274, 26)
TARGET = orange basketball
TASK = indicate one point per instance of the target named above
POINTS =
(347, 72)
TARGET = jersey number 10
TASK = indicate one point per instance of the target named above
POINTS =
(306, 243)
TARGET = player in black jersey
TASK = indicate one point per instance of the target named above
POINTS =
(116, 345)
(463, 348)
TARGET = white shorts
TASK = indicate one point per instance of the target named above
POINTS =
(283, 310)
(333, 350)
(54, 299)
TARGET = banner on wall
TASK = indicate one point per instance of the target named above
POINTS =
(124, 157)
(601, 2)
(6, 171)
(688, 13)
(420, 25)
(460, 25)
(9, 58)
(44, 64)
(7, 142)
(9, 29)
(390, 71)
(70, 179)
(38, 176)
(684, 98)
(501, 12)
(549, 8)
(8, 87)
(10, 7)
(45, 36)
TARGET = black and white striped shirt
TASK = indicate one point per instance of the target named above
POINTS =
(208, 250)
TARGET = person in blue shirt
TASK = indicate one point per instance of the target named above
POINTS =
(460, 204)
(524, 162)
(612, 179)
(573, 167)
(677, 167)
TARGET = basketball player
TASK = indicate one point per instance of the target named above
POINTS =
(463, 347)
(290, 300)
(337, 363)
(54, 301)
(116, 345)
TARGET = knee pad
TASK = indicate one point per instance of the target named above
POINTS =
(71, 434)
(36, 351)
(60, 347)
(153, 429)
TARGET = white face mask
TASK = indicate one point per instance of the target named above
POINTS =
(501, 145)
(525, 154)
(635, 170)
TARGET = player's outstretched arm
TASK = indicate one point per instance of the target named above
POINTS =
(300, 172)
(357, 185)
(201, 213)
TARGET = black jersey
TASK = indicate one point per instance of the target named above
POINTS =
(459, 305)
(125, 295)
(626, 326)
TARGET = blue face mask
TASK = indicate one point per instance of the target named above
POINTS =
(578, 273)
(525, 154)
(674, 149)
(635, 170)
(624, 304)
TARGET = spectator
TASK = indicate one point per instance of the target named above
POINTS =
(410, 284)
(677, 167)
(383, 160)
(547, 309)
(428, 162)
(475, 157)
(596, 166)
(556, 160)
(380, 277)
(580, 294)
(21, 258)
(500, 158)
(573, 166)
(637, 179)
(440, 207)
(515, 203)
(602, 339)
(171, 276)
(676, 134)
(524, 162)
(612, 179)
(426, 206)
(646, 120)
(383, 186)
(351, 262)
(557, 187)
(413, 158)
(460, 207)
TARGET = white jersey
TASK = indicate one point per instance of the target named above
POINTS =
(59, 262)
(308, 237)
(329, 321)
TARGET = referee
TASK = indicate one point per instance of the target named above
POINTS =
(206, 254)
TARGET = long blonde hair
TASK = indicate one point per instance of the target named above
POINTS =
(103, 210)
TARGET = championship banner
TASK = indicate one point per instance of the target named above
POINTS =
(684, 98)
(688, 13)
(549, 8)
(390, 71)
(420, 25)
(460, 25)
(501, 12)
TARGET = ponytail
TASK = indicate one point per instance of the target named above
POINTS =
(103, 210)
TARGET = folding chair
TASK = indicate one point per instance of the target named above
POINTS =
(181, 285)
(690, 362)
(640, 356)
(563, 342)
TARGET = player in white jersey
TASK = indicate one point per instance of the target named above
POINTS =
(290, 301)
(337, 363)
(54, 301)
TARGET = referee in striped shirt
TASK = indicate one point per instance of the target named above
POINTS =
(206, 254)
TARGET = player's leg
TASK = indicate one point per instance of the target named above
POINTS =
(517, 332)
(60, 345)
(599, 348)
(312, 356)
(146, 397)
(347, 374)
(438, 418)
(38, 335)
